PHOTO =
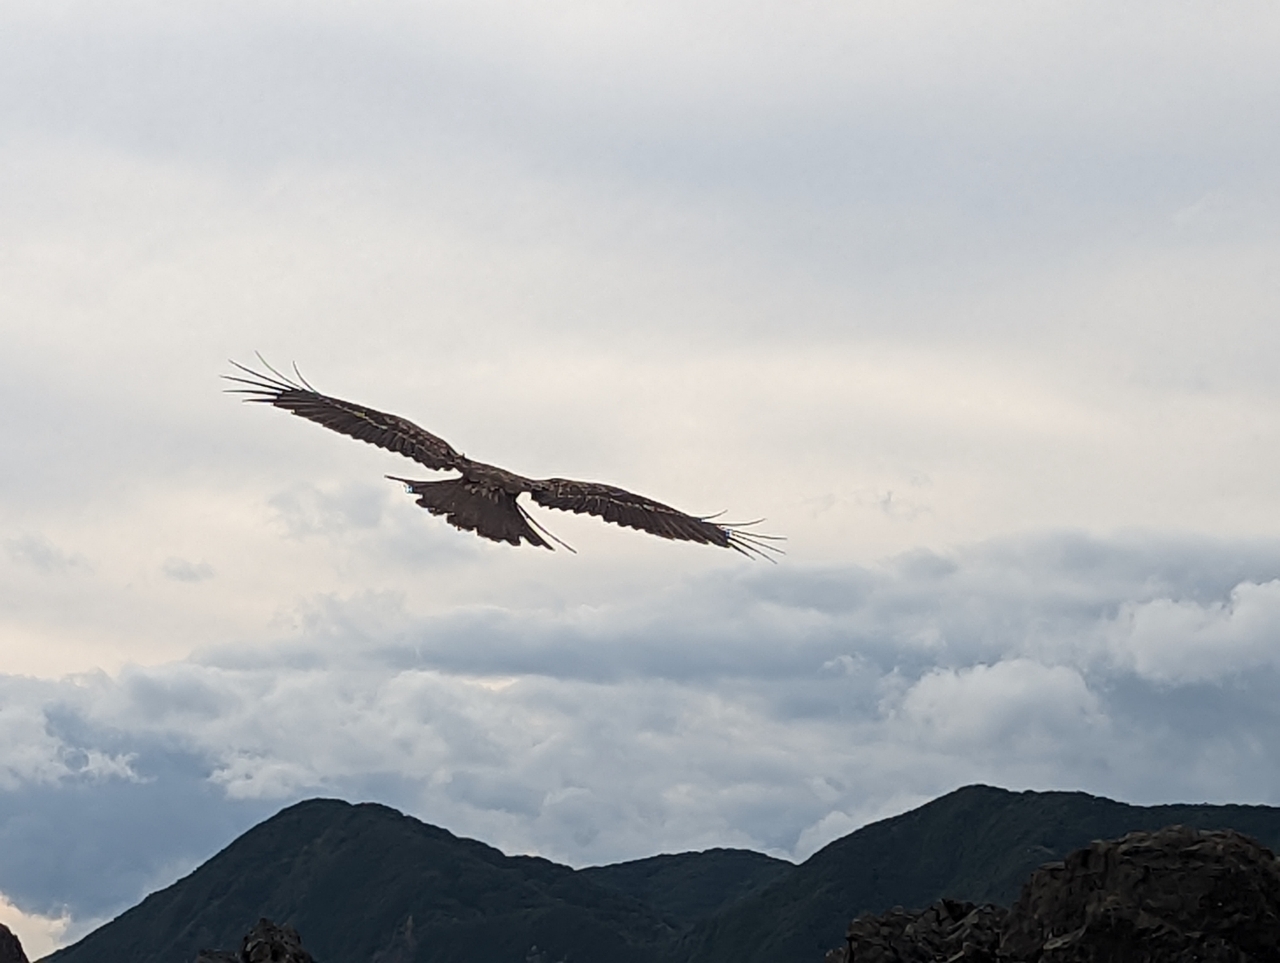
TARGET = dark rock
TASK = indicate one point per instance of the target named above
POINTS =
(1174, 895)
(947, 930)
(268, 943)
(1177, 895)
(265, 943)
(10, 947)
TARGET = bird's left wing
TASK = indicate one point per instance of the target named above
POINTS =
(635, 511)
(366, 424)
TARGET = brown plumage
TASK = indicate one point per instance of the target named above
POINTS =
(484, 498)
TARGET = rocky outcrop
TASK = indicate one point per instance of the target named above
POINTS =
(1177, 895)
(265, 943)
(10, 947)
(1172, 896)
(948, 930)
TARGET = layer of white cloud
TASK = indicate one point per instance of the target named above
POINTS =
(771, 709)
(1012, 707)
(31, 754)
(1183, 641)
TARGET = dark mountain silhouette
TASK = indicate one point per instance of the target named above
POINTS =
(977, 843)
(688, 887)
(10, 947)
(1175, 895)
(365, 884)
(363, 881)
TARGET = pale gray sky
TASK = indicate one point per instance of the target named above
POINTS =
(977, 303)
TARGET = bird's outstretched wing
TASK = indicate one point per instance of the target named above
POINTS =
(367, 424)
(635, 511)
(487, 511)
(483, 500)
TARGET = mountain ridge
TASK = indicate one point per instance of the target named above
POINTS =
(364, 883)
(978, 843)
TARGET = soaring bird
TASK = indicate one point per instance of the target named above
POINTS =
(483, 498)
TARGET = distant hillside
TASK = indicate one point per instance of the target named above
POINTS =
(691, 886)
(977, 843)
(366, 884)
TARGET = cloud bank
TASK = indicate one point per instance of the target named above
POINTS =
(771, 709)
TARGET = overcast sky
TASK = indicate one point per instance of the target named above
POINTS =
(978, 303)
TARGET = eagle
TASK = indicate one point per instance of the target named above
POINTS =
(484, 498)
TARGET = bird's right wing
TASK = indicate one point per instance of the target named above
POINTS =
(366, 424)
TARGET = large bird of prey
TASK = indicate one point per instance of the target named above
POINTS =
(483, 498)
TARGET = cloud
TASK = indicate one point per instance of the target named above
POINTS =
(40, 935)
(32, 752)
(41, 554)
(307, 510)
(181, 570)
(1183, 641)
(1000, 708)
(771, 709)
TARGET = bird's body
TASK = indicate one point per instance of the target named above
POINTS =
(483, 498)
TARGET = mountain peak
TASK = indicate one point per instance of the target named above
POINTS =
(358, 880)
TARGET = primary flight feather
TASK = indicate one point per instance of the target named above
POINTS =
(483, 499)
